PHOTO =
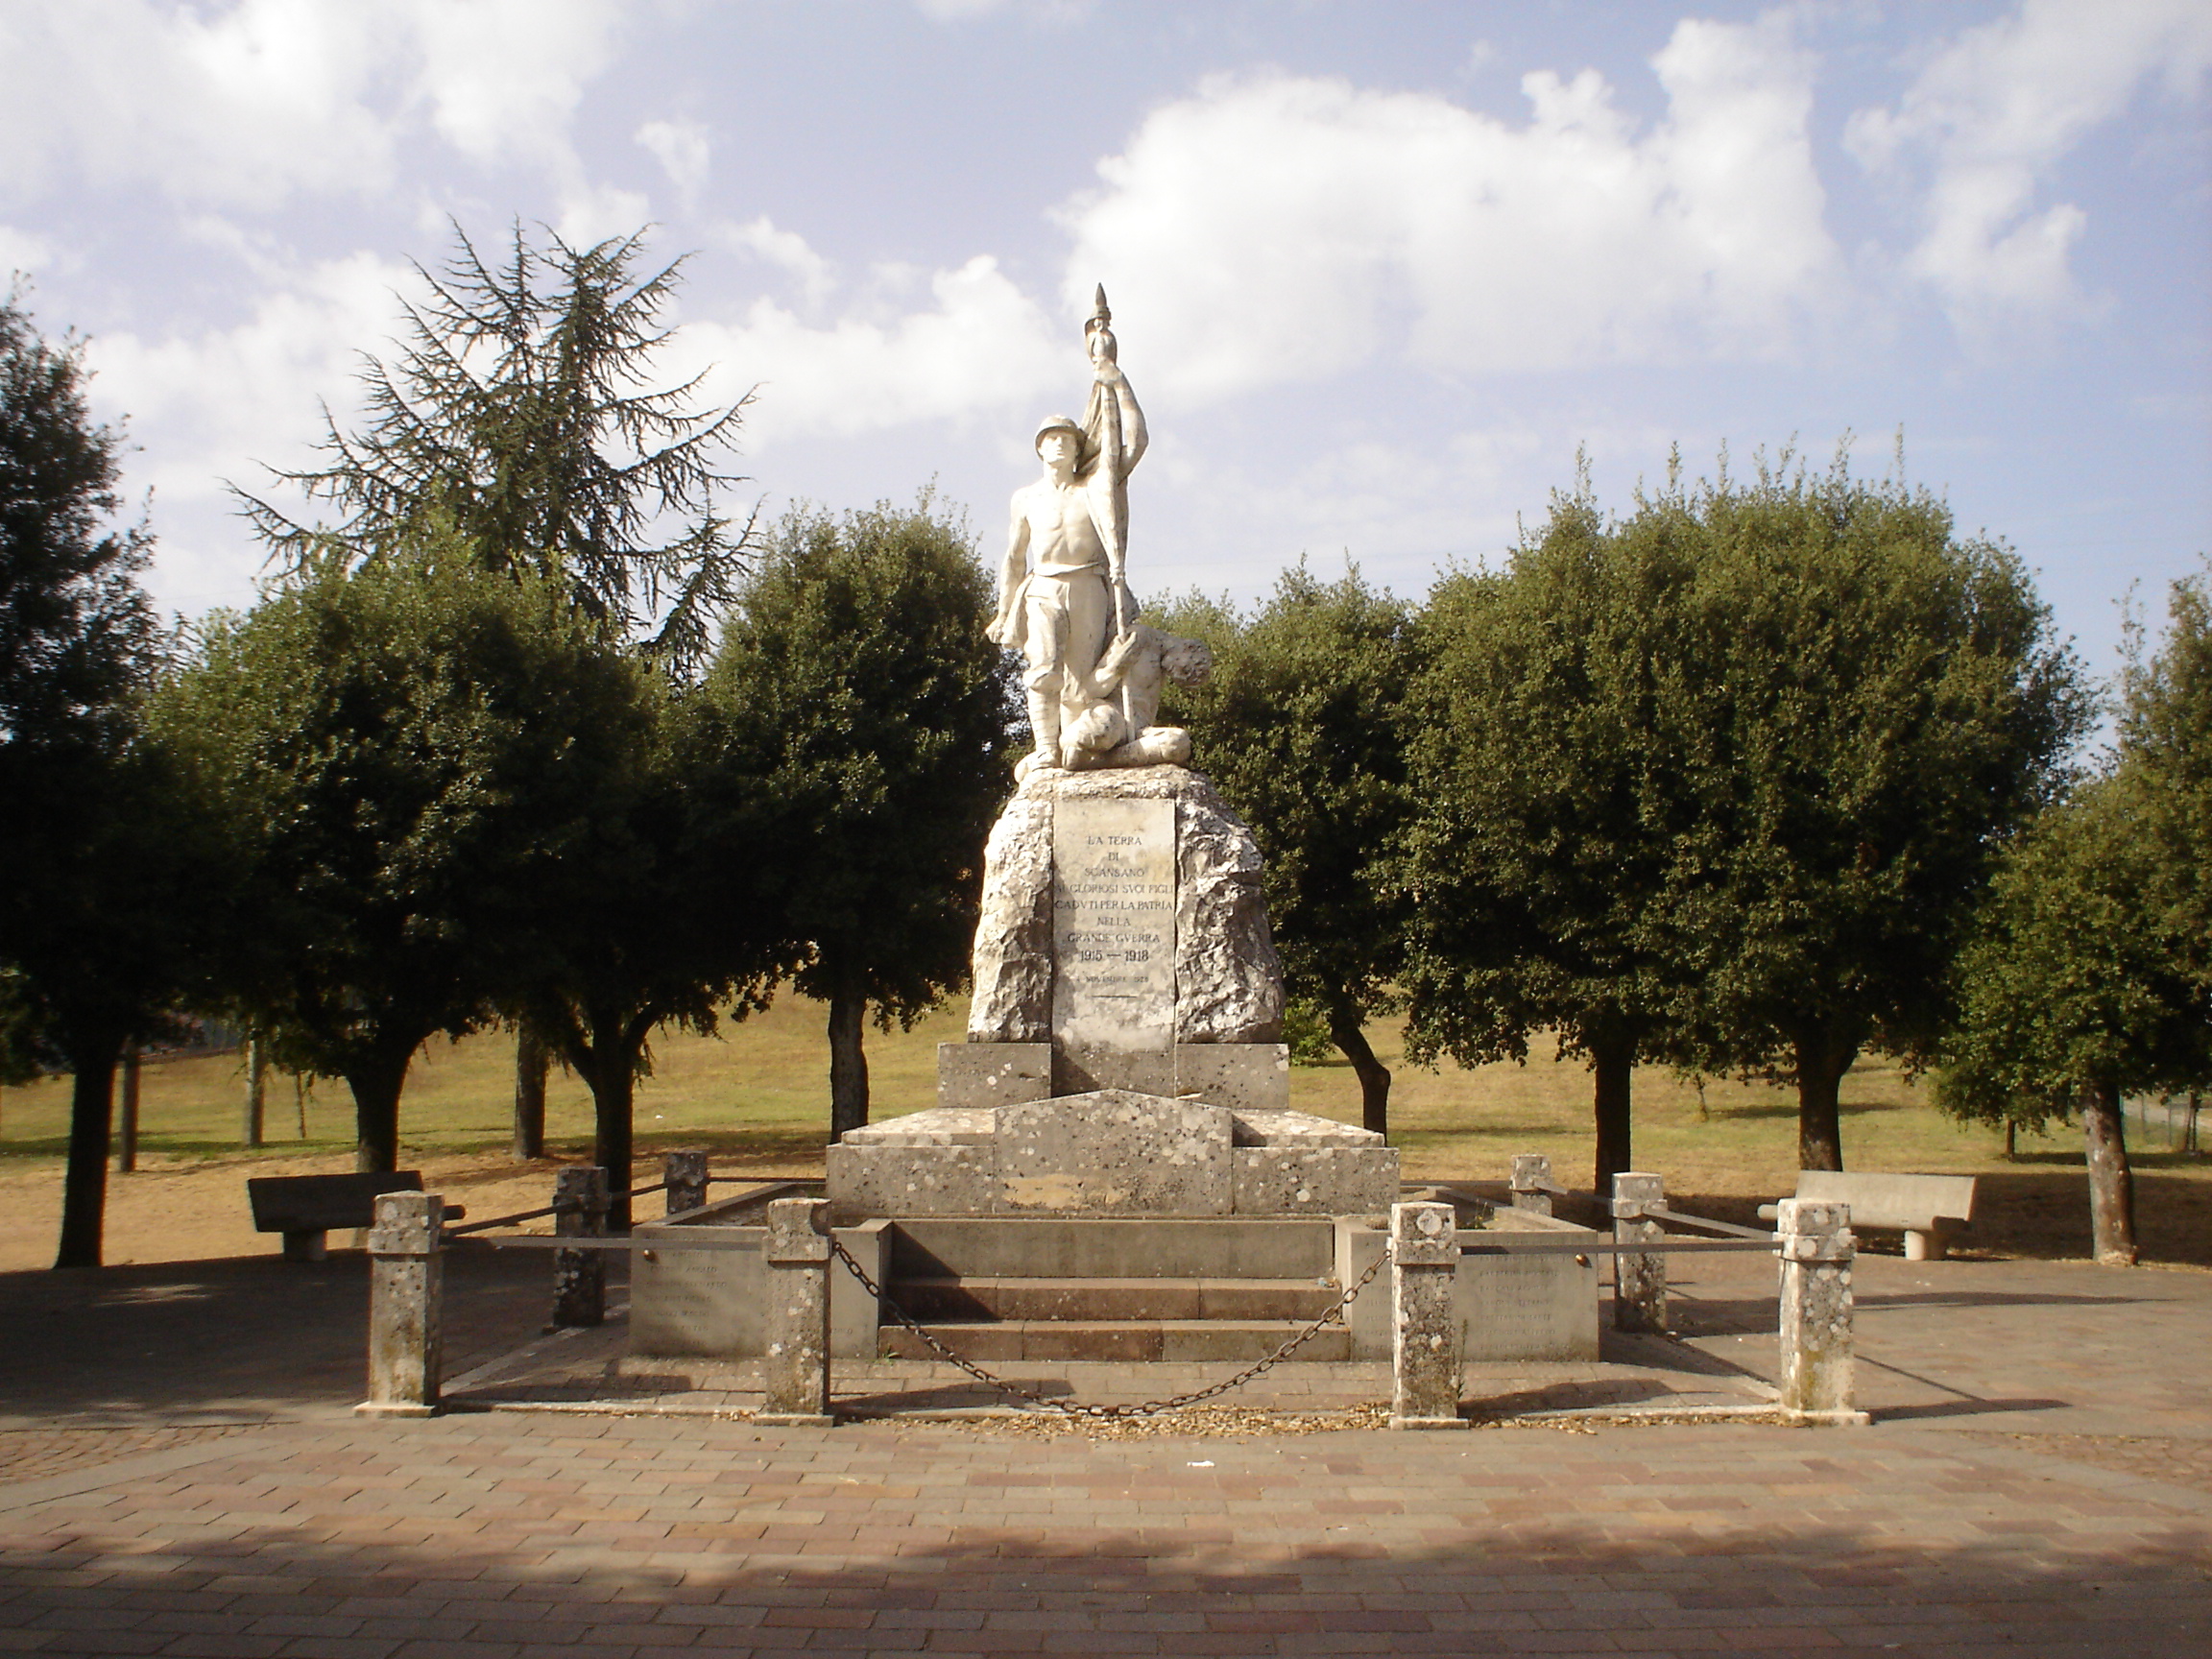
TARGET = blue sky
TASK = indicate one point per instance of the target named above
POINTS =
(1378, 270)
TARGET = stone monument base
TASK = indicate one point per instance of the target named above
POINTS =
(1113, 1152)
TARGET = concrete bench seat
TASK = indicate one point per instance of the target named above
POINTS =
(305, 1208)
(1929, 1210)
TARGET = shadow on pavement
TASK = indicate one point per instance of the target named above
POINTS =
(1992, 1299)
(1967, 1408)
(1253, 1551)
(238, 1338)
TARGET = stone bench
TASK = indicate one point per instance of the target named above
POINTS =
(1929, 1210)
(305, 1208)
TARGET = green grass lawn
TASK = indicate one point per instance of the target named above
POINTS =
(757, 1098)
(760, 1091)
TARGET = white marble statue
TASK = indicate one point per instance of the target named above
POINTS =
(1064, 601)
(1119, 730)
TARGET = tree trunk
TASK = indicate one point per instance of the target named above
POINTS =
(848, 1059)
(253, 1122)
(1613, 1058)
(1344, 1031)
(2111, 1184)
(612, 1076)
(1824, 1053)
(532, 1063)
(602, 1045)
(127, 1137)
(377, 1081)
(84, 1183)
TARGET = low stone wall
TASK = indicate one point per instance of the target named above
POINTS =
(710, 1303)
(1527, 1306)
(1507, 1307)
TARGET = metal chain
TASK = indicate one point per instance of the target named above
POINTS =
(1076, 1408)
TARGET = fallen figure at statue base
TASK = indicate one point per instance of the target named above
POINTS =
(1115, 728)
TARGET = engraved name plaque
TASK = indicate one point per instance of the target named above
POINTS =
(1114, 930)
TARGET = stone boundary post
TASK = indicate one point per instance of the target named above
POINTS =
(1532, 1174)
(795, 1357)
(580, 1276)
(1816, 1246)
(406, 1295)
(686, 1173)
(1425, 1351)
(1639, 1278)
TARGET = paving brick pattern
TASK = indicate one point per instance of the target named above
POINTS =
(28, 1454)
(2032, 1486)
(499, 1537)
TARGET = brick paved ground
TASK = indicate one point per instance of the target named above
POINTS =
(2035, 1484)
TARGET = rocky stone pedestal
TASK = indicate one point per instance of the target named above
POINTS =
(1122, 924)
(1110, 1152)
(1124, 1052)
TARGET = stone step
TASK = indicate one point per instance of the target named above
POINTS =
(1033, 1298)
(1082, 1247)
(1136, 1341)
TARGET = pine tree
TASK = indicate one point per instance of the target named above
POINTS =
(517, 415)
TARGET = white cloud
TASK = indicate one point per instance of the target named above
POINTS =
(1991, 116)
(1396, 503)
(212, 402)
(217, 403)
(683, 151)
(1034, 11)
(246, 103)
(1281, 229)
(786, 250)
(23, 250)
(502, 77)
(589, 213)
(1277, 228)
(980, 345)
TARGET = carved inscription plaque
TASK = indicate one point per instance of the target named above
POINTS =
(1114, 926)
(1529, 1308)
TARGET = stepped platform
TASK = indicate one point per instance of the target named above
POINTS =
(1113, 1289)
(1066, 1287)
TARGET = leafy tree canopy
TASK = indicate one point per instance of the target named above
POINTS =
(652, 913)
(1536, 865)
(1722, 781)
(105, 882)
(855, 682)
(2165, 750)
(77, 633)
(1876, 703)
(407, 753)
(2070, 981)
(1299, 726)
(2085, 978)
